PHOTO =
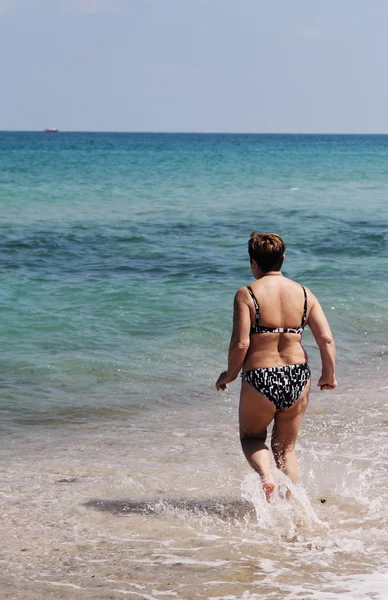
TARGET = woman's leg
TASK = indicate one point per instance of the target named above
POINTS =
(256, 413)
(285, 432)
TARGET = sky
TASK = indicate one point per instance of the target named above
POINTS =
(301, 66)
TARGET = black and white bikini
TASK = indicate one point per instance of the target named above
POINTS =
(282, 385)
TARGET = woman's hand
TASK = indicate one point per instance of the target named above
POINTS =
(327, 383)
(223, 380)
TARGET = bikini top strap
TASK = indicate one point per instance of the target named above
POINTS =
(304, 307)
(255, 302)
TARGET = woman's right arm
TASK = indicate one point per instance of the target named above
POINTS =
(321, 331)
(239, 342)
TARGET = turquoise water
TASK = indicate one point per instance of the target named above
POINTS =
(120, 255)
(121, 469)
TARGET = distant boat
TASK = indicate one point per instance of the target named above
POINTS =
(51, 130)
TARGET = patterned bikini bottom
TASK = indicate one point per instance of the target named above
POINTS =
(282, 385)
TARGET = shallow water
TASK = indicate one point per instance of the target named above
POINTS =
(122, 474)
(167, 506)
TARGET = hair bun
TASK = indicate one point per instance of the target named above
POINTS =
(267, 250)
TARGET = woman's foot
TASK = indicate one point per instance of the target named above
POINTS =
(285, 493)
(268, 487)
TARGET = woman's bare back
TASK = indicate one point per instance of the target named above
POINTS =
(281, 303)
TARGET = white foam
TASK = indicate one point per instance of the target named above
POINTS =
(135, 585)
(269, 566)
(172, 559)
(353, 587)
(209, 537)
(282, 517)
(61, 584)
(142, 594)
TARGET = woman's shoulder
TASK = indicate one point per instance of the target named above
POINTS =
(311, 299)
(298, 284)
(242, 294)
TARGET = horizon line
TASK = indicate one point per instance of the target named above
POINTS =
(181, 132)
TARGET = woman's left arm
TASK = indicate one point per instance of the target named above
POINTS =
(239, 342)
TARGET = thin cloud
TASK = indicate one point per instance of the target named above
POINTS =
(17, 6)
(311, 33)
(94, 7)
(91, 7)
(7, 6)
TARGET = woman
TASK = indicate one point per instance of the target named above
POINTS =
(268, 322)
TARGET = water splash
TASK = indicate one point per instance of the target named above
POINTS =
(285, 518)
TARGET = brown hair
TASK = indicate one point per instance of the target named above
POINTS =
(267, 249)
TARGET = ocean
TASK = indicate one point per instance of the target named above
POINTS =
(121, 472)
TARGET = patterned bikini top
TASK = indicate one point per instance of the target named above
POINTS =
(256, 328)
